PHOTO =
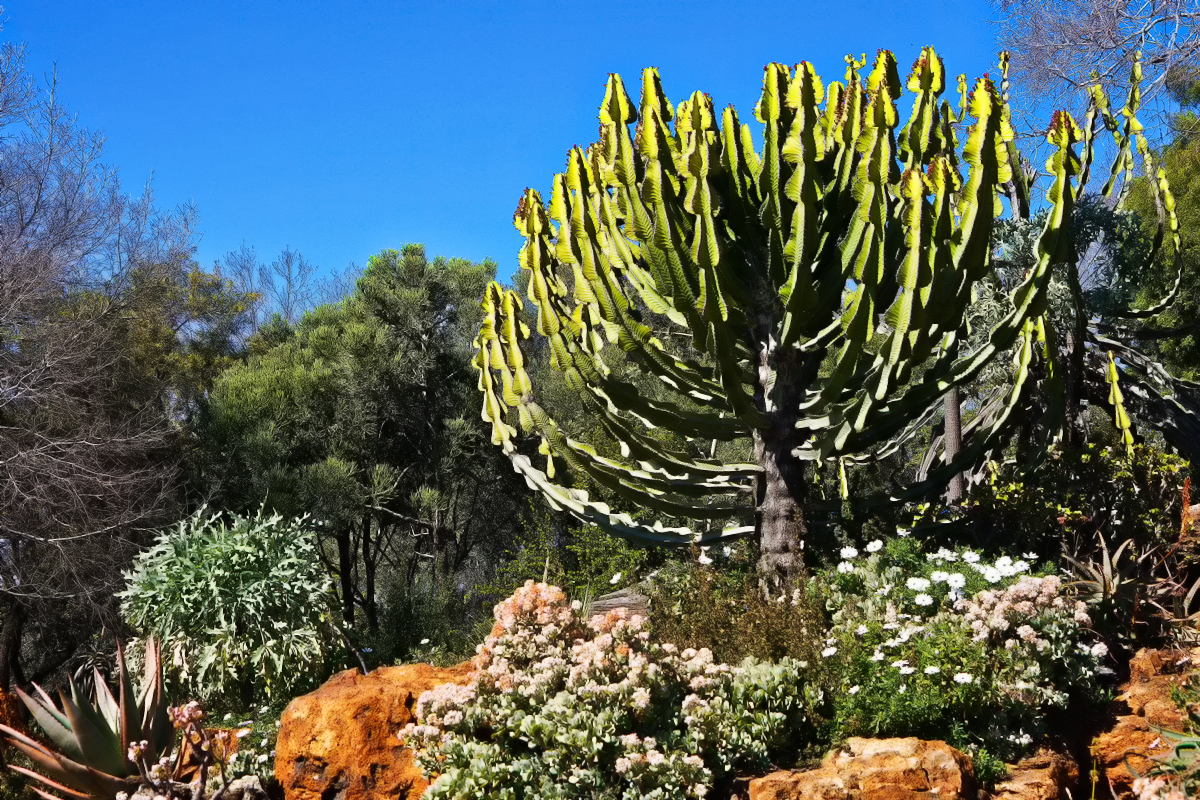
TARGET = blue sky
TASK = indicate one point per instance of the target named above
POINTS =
(342, 128)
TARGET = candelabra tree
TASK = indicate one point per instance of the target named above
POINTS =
(809, 299)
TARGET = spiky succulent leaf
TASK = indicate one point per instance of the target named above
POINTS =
(93, 736)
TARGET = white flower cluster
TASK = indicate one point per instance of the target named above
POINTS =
(993, 614)
(1004, 566)
(1158, 788)
(1007, 652)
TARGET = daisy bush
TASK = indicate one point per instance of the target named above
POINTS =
(563, 707)
(955, 646)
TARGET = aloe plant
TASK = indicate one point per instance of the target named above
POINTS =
(820, 288)
(88, 749)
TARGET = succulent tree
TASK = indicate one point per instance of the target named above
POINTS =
(809, 298)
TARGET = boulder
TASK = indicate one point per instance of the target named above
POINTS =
(339, 742)
(877, 769)
(1133, 740)
(1044, 775)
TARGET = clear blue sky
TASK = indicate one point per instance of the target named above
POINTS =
(341, 128)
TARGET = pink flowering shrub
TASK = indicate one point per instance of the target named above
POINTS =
(562, 708)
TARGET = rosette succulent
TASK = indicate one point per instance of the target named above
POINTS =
(91, 743)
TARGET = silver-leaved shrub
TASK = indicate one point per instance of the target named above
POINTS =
(564, 708)
(241, 605)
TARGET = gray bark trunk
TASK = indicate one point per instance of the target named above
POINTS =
(781, 489)
(957, 489)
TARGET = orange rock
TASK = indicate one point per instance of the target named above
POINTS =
(340, 743)
(1132, 741)
(877, 769)
(12, 713)
(1044, 775)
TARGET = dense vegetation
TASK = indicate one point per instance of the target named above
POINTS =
(922, 471)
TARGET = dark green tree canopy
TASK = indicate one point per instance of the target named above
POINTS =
(355, 415)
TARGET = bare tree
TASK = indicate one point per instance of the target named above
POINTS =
(289, 282)
(1059, 47)
(286, 287)
(335, 285)
(87, 449)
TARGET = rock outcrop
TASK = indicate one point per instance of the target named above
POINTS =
(877, 769)
(1133, 740)
(339, 742)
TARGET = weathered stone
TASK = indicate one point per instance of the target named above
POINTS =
(247, 787)
(632, 599)
(877, 769)
(1044, 775)
(1132, 741)
(340, 743)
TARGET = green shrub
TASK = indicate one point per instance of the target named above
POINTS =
(581, 559)
(719, 605)
(563, 709)
(423, 621)
(944, 645)
(952, 646)
(1072, 497)
(243, 609)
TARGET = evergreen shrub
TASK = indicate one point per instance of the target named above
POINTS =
(242, 606)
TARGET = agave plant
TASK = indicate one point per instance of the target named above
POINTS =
(91, 737)
(1115, 585)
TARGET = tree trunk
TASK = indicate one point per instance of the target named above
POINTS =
(780, 489)
(958, 484)
(10, 643)
(369, 553)
(780, 515)
(346, 575)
